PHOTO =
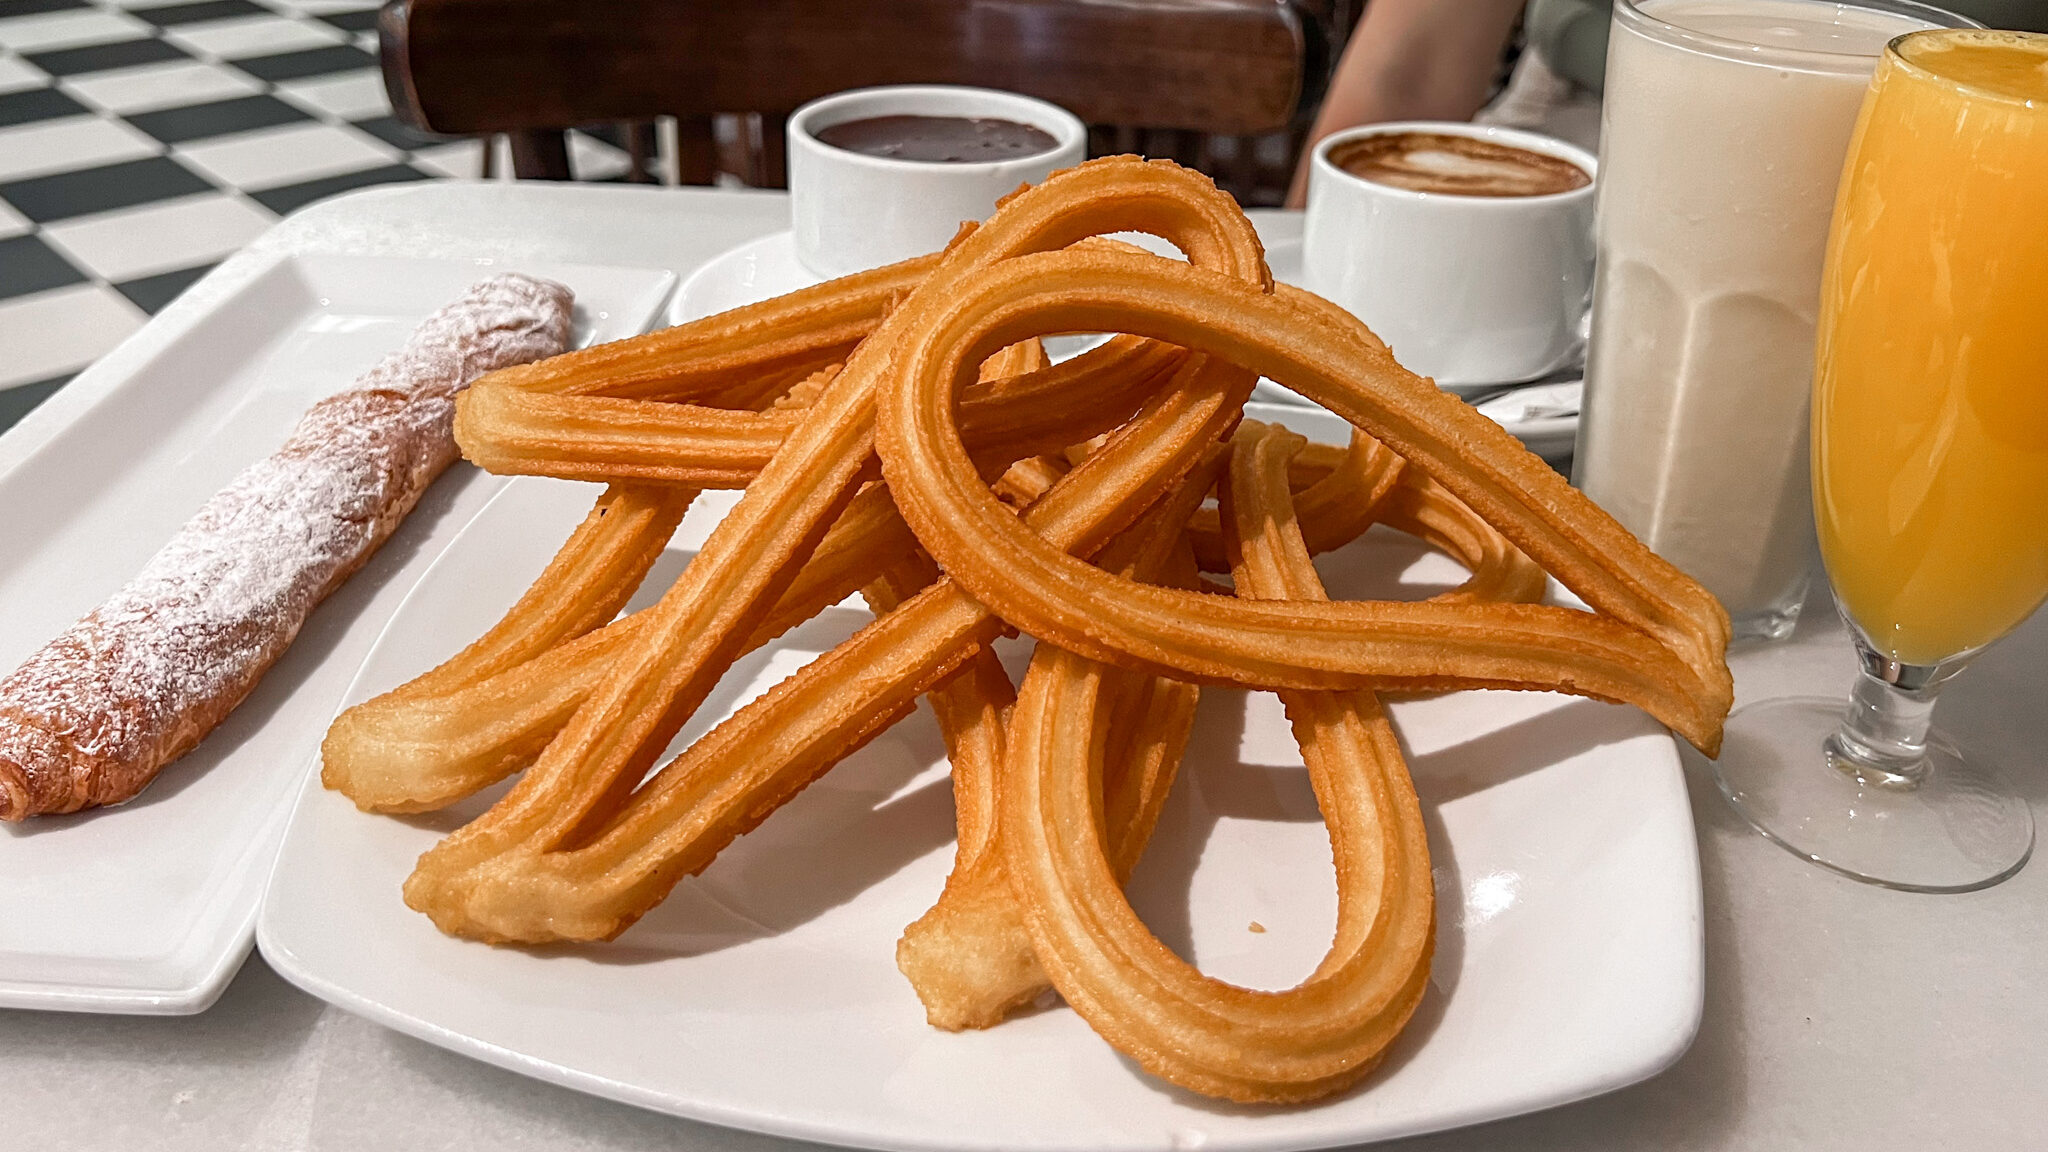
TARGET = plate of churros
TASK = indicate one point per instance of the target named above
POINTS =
(855, 726)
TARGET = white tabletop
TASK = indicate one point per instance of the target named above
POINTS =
(1837, 1015)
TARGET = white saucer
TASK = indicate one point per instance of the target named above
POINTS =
(768, 267)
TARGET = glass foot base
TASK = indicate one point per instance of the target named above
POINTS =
(1961, 828)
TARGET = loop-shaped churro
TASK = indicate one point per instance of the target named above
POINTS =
(1656, 642)
(1192, 1029)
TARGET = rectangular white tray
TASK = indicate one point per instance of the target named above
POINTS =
(150, 907)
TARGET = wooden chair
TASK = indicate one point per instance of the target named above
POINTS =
(1224, 85)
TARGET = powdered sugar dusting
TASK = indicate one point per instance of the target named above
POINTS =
(91, 717)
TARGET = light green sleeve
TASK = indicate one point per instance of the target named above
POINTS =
(1571, 36)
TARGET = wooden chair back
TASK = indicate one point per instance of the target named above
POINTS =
(1219, 84)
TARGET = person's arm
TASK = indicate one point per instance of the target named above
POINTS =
(1413, 60)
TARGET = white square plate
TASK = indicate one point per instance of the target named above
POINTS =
(764, 995)
(150, 907)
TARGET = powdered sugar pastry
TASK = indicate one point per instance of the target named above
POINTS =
(91, 717)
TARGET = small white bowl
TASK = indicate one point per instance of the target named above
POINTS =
(851, 212)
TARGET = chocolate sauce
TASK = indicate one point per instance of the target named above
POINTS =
(938, 139)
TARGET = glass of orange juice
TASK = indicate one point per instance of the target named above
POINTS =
(1930, 467)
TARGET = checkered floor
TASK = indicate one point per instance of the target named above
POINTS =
(141, 142)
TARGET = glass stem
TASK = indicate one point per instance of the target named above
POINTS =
(1882, 739)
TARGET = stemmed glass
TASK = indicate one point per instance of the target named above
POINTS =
(1930, 467)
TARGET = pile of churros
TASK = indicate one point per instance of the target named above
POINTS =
(900, 434)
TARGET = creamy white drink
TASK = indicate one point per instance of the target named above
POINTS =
(1724, 129)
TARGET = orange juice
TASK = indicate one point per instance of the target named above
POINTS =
(1930, 409)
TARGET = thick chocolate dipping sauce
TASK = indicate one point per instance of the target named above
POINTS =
(938, 139)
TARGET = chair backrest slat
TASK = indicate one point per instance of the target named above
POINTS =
(1173, 72)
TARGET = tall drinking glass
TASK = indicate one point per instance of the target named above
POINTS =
(1722, 136)
(1930, 467)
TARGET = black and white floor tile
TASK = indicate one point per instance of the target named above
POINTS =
(141, 142)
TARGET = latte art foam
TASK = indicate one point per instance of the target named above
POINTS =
(1452, 165)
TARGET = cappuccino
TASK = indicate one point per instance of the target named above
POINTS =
(1450, 165)
(1400, 257)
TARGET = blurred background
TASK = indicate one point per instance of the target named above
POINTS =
(140, 142)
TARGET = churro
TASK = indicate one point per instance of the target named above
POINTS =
(93, 716)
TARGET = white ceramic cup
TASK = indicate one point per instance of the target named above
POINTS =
(851, 212)
(1471, 290)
